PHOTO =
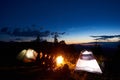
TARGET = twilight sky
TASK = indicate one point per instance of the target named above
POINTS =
(80, 19)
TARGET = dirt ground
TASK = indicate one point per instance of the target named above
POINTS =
(38, 73)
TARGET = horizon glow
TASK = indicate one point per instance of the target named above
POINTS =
(79, 19)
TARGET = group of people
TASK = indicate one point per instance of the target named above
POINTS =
(46, 61)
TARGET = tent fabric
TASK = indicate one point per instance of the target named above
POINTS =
(87, 62)
(28, 55)
(22, 54)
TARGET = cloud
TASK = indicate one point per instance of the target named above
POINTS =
(4, 30)
(57, 34)
(24, 32)
(18, 39)
(105, 37)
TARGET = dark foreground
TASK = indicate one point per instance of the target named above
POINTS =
(40, 73)
(10, 70)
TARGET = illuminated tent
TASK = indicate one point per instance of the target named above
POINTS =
(87, 62)
(27, 55)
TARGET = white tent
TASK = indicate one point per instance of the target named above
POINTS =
(27, 55)
(87, 62)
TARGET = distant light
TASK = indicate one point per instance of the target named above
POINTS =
(45, 55)
(59, 60)
(41, 55)
(43, 63)
(49, 57)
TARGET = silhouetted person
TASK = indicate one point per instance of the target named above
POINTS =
(65, 72)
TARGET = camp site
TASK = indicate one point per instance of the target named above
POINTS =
(55, 61)
(59, 39)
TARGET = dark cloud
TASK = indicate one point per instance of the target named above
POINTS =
(105, 37)
(45, 33)
(57, 34)
(63, 33)
(101, 39)
(24, 32)
(4, 29)
(27, 33)
(18, 39)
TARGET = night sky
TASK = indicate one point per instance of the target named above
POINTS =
(79, 19)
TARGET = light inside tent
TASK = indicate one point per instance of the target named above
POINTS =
(30, 54)
(21, 54)
(87, 62)
(59, 60)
